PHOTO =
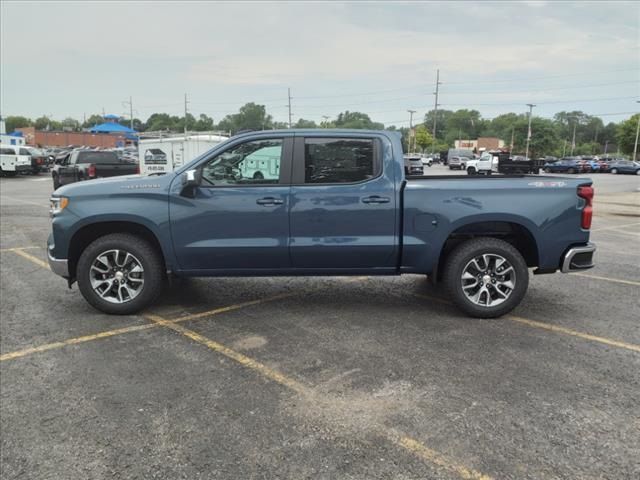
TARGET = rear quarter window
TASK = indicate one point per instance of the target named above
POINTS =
(339, 160)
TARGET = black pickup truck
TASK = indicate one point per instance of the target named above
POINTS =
(80, 165)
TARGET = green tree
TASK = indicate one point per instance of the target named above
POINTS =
(203, 123)
(443, 118)
(71, 124)
(92, 121)
(356, 120)
(626, 134)
(13, 122)
(251, 116)
(423, 137)
(302, 123)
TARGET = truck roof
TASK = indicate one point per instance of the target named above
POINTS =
(318, 131)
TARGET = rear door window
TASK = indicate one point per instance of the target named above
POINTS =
(339, 160)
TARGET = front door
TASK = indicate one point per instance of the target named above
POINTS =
(343, 206)
(238, 218)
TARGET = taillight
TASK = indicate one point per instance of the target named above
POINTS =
(586, 192)
(91, 171)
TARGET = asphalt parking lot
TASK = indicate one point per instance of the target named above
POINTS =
(329, 378)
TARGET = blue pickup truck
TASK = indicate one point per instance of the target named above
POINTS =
(340, 204)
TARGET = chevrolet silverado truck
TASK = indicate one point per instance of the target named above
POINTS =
(340, 205)
(79, 165)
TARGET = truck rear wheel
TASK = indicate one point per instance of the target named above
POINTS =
(486, 277)
(120, 274)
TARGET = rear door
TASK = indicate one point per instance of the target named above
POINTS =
(237, 219)
(343, 206)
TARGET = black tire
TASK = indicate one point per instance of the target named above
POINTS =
(571, 171)
(466, 252)
(614, 171)
(154, 272)
(56, 182)
(547, 170)
(258, 176)
(471, 171)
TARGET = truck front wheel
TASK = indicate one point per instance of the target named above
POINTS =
(486, 277)
(120, 274)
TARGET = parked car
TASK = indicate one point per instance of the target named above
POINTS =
(14, 159)
(565, 165)
(457, 163)
(38, 160)
(79, 165)
(341, 205)
(625, 166)
(413, 165)
(426, 160)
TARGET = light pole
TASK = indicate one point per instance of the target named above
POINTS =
(411, 132)
(573, 141)
(635, 145)
(526, 153)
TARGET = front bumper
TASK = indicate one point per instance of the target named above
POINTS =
(23, 168)
(578, 258)
(57, 265)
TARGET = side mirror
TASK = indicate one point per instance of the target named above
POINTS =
(191, 180)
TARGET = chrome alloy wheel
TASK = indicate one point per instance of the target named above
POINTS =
(117, 276)
(488, 280)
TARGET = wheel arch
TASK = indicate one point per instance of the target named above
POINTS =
(514, 231)
(92, 231)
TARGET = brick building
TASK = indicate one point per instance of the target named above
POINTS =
(62, 139)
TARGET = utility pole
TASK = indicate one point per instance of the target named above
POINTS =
(606, 146)
(289, 95)
(435, 107)
(573, 141)
(635, 146)
(526, 153)
(513, 131)
(186, 102)
(130, 104)
(564, 148)
(411, 132)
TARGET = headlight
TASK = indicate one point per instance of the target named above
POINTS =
(57, 205)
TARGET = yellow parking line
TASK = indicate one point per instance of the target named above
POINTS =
(13, 249)
(74, 341)
(216, 311)
(31, 258)
(436, 458)
(607, 279)
(232, 354)
(552, 328)
(574, 333)
(120, 331)
(408, 443)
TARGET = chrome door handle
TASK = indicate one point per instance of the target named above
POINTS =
(376, 199)
(269, 201)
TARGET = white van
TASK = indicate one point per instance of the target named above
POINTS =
(165, 154)
(14, 159)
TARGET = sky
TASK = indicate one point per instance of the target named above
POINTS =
(69, 59)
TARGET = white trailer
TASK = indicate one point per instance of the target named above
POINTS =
(165, 154)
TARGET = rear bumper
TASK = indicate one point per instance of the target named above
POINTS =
(57, 265)
(578, 258)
